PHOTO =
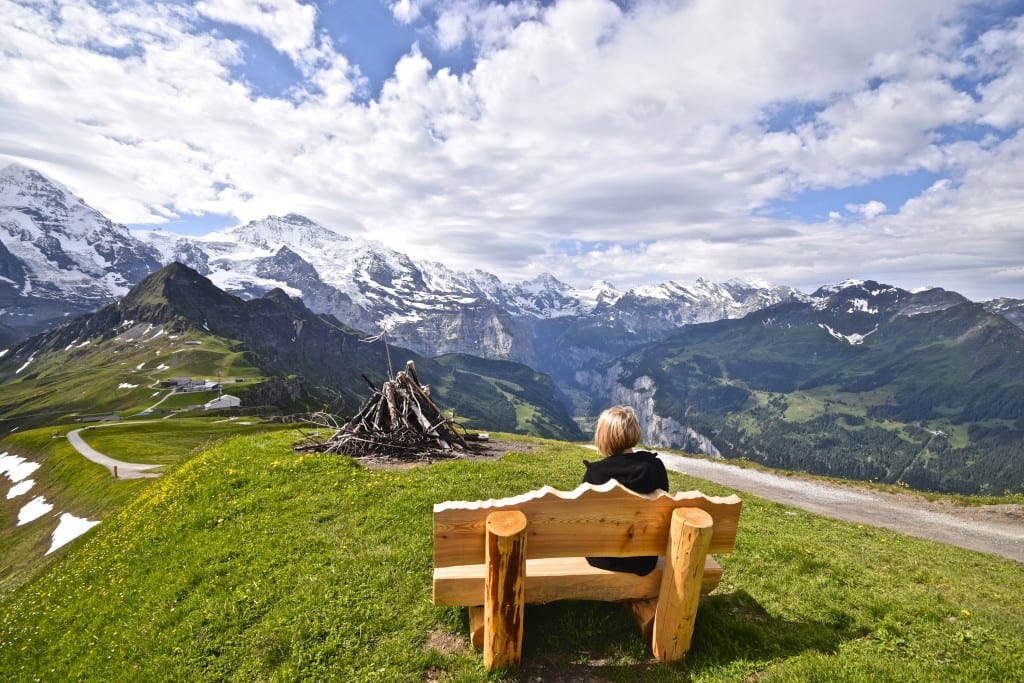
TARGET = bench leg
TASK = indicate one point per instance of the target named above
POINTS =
(476, 626)
(689, 538)
(643, 611)
(504, 594)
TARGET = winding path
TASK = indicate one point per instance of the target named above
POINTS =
(997, 529)
(153, 407)
(125, 470)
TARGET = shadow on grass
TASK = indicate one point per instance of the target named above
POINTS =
(736, 626)
(596, 641)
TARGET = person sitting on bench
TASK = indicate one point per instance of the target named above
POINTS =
(617, 432)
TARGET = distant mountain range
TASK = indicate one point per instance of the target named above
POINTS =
(425, 306)
(858, 380)
(327, 362)
(61, 258)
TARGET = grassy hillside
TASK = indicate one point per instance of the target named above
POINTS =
(501, 396)
(931, 400)
(121, 375)
(248, 562)
(176, 323)
(87, 490)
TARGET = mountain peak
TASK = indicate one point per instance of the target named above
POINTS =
(174, 290)
(665, 291)
(16, 171)
(292, 229)
(846, 288)
(298, 219)
(604, 288)
(545, 282)
(66, 253)
(20, 184)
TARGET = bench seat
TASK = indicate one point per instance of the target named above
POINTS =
(561, 578)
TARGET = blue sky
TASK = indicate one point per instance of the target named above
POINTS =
(637, 141)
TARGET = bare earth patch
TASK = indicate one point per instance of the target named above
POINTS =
(568, 672)
(444, 642)
(483, 450)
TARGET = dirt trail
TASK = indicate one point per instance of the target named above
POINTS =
(997, 529)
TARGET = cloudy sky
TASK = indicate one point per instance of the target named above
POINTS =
(636, 141)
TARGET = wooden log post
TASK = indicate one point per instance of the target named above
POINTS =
(504, 594)
(689, 538)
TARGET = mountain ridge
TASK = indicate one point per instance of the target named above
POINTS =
(861, 381)
(424, 305)
(360, 281)
(281, 337)
(764, 361)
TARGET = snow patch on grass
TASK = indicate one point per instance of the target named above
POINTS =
(33, 510)
(69, 528)
(16, 467)
(20, 488)
(30, 359)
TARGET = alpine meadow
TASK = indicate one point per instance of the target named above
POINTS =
(356, 341)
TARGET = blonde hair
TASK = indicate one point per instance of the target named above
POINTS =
(617, 430)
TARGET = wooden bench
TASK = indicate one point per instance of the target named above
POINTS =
(494, 556)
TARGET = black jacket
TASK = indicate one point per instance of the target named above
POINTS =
(639, 471)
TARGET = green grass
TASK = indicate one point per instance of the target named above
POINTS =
(164, 442)
(248, 563)
(117, 376)
(86, 489)
(65, 477)
(803, 407)
(524, 411)
(188, 399)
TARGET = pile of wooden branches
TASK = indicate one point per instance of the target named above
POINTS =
(399, 421)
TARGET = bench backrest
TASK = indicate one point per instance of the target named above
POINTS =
(607, 520)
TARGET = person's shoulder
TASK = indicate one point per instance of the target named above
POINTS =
(645, 455)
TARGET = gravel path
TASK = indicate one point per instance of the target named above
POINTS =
(997, 529)
(154, 406)
(125, 470)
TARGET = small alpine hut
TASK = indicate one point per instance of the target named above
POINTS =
(398, 421)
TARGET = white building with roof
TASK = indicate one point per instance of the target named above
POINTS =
(223, 401)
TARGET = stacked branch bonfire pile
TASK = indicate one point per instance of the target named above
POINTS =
(398, 421)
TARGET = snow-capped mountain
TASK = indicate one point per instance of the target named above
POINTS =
(426, 305)
(59, 256)
(431, 308)
(1011, 309)
(60, 251)
(387, 285)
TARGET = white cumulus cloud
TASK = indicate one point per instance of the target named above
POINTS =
(869, 210)
(289, 25)
(661, 136)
